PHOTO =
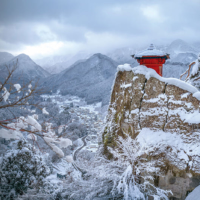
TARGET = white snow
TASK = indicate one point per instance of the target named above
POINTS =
(69, 159)
(17, 87)
(148, 72)
(125, 67)
(60, 129)
(135, 111)
(194, 195)
(157, 99)
(126, 85)
(154, 111)
(185, 95)
(32, 137)
(197, 95)
(44, 111)
(10, 134)
(192, 118)
(161, 139)
(35, 126)
(151, 51)
(6, 94)
(135, 77)
(29, 86)
(56, 149)
(64, 142)
(195, 67)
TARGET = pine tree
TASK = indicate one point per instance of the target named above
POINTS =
(23, 168)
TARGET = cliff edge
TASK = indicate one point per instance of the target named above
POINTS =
(164, 115)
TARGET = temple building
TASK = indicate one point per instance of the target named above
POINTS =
(152, 58)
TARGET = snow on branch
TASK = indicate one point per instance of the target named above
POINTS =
(137, 180)
(13, 129)
(17, 87)
(44, 111)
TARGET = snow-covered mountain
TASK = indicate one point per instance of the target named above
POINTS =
(178, 64)
(196, 45)
(181, 55)
(184, 58)
(26, 69)
(180, 46)
(56, 64)
(123, 55)
(5, 57)
(91, 79)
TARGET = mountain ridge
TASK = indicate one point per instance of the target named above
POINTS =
(90, 79)
(26, 69)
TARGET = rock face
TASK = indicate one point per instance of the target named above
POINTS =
(162, 114)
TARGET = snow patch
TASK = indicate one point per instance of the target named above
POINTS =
(6, 94)
(125, 67)
(69, 159)
(126, 85)
(197, 95)
(44, 111)
(185, 95)
(17, 87)
(32, 137)
(10, 134)
(159, 138)
(195, 67)
(35, 126)
(194, 195)
(147, 52)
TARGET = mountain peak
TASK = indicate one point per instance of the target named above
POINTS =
(100, 56)
(23, 56)
(179, 46)
(5, 56)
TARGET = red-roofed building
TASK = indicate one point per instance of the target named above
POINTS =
(152, 58)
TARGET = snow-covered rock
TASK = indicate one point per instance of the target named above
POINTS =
(163, 115)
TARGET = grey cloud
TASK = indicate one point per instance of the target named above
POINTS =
(70, 20)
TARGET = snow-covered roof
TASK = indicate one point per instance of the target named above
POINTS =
(150, 51)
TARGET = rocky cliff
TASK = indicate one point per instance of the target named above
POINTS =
(162, 114)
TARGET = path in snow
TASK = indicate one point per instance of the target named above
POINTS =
(75, 156)
(77, 150)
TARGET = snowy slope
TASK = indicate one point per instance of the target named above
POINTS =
(123, 55)
(180, 46)
(90, 79)
(194, 195)
(26, 69)
(5, 57)
(181, 55)
(178, 64)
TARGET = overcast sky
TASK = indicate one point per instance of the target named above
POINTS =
(51, 27)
